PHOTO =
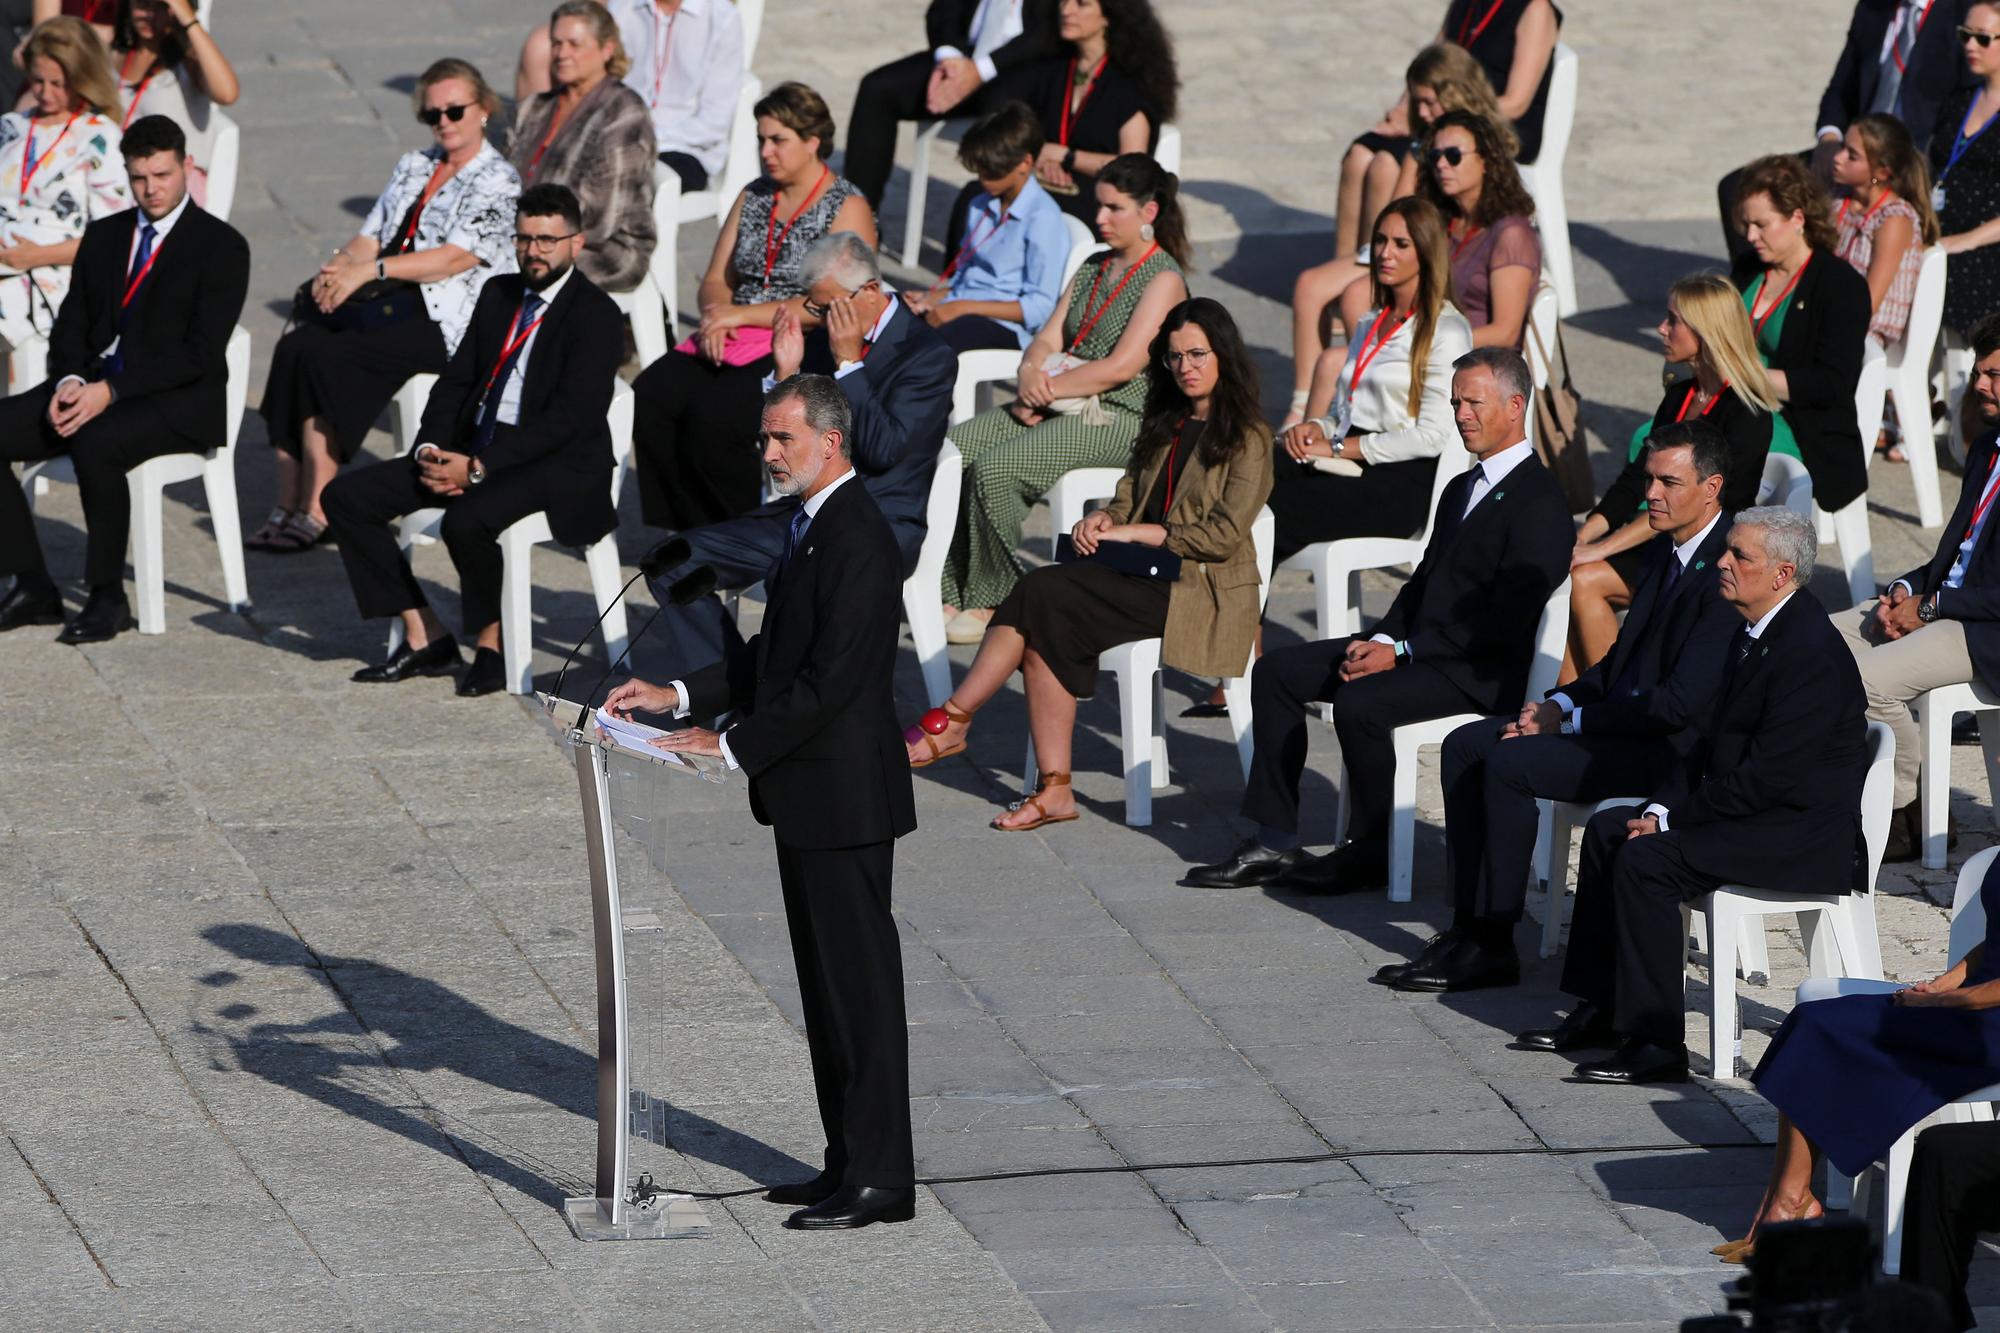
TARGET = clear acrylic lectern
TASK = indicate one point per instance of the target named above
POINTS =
(618, 782)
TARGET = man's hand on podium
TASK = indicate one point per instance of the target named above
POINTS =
(692, 740)
(636, 696)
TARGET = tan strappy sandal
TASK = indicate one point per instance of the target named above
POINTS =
(1043, 781)
(929, 727)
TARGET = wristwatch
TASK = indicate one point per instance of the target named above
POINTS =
(1339, 446)
(1927, 609)
(475, 472)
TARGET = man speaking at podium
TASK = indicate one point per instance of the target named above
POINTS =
(816, 734)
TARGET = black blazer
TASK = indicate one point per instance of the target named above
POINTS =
(1675, 644)
(1826, 324)
(1471, 608)
(178, 326)
(1748, 432)
(820, 744)
(901, 401)
(1975, 603)
(564, 401)
(1936, 68)
(949, 23)
(1771, 796)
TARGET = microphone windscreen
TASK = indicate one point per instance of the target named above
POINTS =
(692, 586)
(669, 555)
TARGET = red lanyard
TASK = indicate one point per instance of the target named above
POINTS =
(1173, 457)
(774, 245)
(132, 107)
(510, 344)
(662, 48)
(1896, 47)
(1761, 320)
(132, 287)
(1688, 401)
(1861, 227)
(1069, 93)
(555, 123)
(30, 164)
(1465, 240)
(971, 247)
(1985, 500)
(1464, 23)
(1372, 347)
(409, 227)
(1090, 317)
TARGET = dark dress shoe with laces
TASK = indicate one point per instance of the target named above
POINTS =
(24, 606)
(1252, 863)
(1390, 973)
(486, 675)
(1638, 1061)
(804, 1193)
(1587, 1027)
(1348, 868)
(105, 615)
(438, 658)
(1470, 964)
(853, 1206)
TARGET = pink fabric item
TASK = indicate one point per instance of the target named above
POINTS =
(743, 347)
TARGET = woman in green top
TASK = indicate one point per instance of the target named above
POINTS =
(1082, 387)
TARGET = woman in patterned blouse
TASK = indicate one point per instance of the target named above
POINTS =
(60, 170)
(442, 228)
(696, 408)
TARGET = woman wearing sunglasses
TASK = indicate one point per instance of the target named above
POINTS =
(391, 303)
(1496, 253)
(1965, 175)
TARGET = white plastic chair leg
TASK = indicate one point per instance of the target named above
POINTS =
(1135, 708)
(1159, 742)
(606, 582)
(149, 571)
(1725, 928)
(517, 586)
(926, 617)
(1934, 779)
(1403, 828)
(1555, 874)
(649, 325)
(1857, 552)
(1895, 1188)
(1552, 221)
(1236, 695)
(219, 481)
(920, 180)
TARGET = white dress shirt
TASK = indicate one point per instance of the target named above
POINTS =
(1488, 475)
(160, 230)
(1378, 408)
(813, 505)
(510, 390)
(994, 24)
(688, 69)
(1757, 628)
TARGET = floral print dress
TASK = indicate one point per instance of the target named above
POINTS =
(74, 177)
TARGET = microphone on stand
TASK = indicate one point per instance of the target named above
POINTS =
(668, 555)
(692, 586)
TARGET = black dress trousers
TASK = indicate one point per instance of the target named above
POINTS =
(895, 92)
(695, 440)
(1954, 1194)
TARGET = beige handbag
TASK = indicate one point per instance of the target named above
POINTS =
(1091, 411)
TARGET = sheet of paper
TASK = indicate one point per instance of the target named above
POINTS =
(637, 736)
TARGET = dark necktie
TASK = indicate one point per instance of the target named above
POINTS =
(795, 534)
(496, 389)
(115, 363)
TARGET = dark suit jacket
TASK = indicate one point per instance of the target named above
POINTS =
(1976, 602)
(1936, 67)
(820, 744)
(1819, 350)
(564, 400)
(901, 400)
(1676, 645)
(1771, 796)
(949, 23)
(177, 328)
(1471, 608)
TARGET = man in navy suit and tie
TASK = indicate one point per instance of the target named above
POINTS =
(136, 370)
(1617, 729)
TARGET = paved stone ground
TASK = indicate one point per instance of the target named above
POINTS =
(297, 979)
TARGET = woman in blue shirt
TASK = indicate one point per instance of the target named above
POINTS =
(1008, 245)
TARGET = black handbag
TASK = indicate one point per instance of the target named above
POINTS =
(1134, 558)
(379, 302)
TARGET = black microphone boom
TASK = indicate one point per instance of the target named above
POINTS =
(692, 586)
(577, 647)
(669, 554)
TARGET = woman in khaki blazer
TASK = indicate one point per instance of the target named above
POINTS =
(1199, 474)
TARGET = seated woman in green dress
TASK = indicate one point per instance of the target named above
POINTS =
(1082, 387)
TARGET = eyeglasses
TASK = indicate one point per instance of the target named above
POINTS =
(1197, 357)
(431, 115)
(545, 244)
(1985, 39)
(1450, 156)
(818, 309)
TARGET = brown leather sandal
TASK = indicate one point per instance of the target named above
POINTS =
(929, 727)
(1043, 781)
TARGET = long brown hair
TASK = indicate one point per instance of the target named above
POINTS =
(1233, 415)
(1887, 144)
(1784, 180)
(1433, 250)
(1501, 194)
(86, 66)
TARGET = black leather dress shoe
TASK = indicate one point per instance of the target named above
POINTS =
(1348, 868)
(486, 675)
(1470, 964)
(1638, 1061)
(1252, 863)
(438, 658)
(30, 606)
(1206, 708)
(105, 615)
(804, 1193)
(853, 1206)
(1390, 973)
(1586, 1027)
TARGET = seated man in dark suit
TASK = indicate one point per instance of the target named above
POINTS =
(1459, 638)
(516, 426)
(1770, 797)
(136, 370)
(896, 373)
(1954, 1186)
(1643, 702)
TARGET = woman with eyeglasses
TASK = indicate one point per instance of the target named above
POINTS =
(391, 303)
(1965, 175)
(593, 134)
(168, 65)
(1196, 480)
(695, 427)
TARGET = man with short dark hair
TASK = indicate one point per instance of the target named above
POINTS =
(516, 426)
(137, 369)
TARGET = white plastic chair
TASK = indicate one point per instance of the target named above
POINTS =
(1909, 384)
(227, 139)
(751, 12)
(1848, 918)
(406, 410)
(1935, 710)
(1544, 317)
(923, 591)
(1849, 528)
(1968, 932)
(517, 544)
(644, 307)
(144, 483)
(1072, 493)
(988, 365)
(1551, 635)
(27, 364)
(1167, 152)
(1142, 700)
(1786, 482)
(672, 206)
(1543, 178)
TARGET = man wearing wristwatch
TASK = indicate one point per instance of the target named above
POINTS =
(1940, 623)
(517, 425)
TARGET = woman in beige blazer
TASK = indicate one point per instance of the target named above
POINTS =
(1199, 474)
